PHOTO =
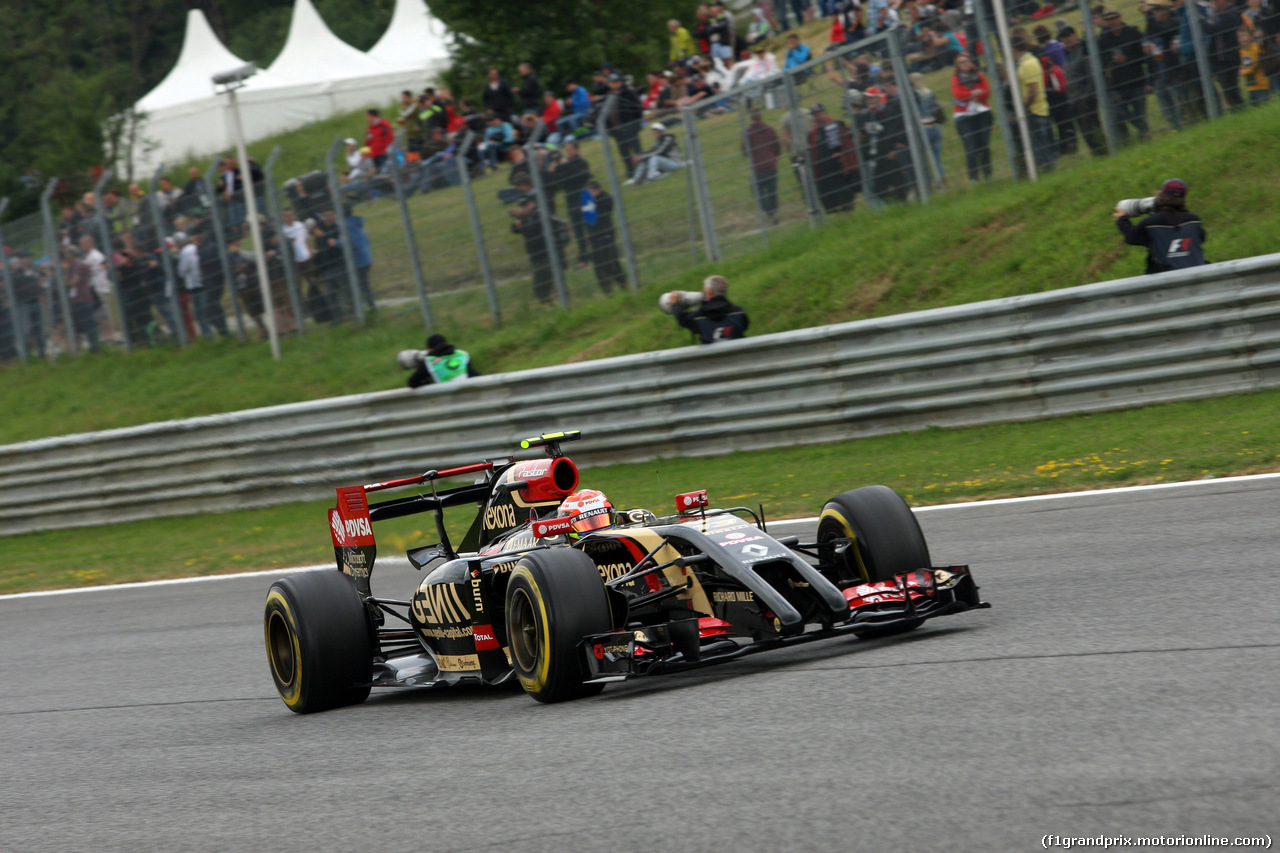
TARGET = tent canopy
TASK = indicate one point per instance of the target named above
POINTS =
(414, 39)
(312, 52)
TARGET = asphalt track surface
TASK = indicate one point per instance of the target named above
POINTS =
(1126, 682)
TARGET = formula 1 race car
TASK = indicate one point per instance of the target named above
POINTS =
(566, 608)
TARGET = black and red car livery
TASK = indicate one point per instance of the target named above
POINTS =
(520, 599)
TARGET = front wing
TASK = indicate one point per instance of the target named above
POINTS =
(904, 602)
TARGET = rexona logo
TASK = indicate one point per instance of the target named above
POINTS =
(500, 517)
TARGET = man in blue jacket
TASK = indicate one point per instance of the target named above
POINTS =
(1173, 235)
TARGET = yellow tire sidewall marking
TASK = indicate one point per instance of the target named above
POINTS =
(292, 697)
(828, 512)
(542, 674)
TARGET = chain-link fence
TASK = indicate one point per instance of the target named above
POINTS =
(477, 225)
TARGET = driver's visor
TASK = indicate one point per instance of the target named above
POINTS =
(589, 523)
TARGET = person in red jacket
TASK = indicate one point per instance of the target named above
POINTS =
(971, 93)
(378, 136)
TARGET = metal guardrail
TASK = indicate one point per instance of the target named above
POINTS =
(1195, 333)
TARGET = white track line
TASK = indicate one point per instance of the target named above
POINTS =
(779, 522)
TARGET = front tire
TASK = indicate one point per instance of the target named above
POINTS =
(554, 599)
(886, 536)
(319, 641)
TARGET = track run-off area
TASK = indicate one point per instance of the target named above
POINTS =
(1124, 683)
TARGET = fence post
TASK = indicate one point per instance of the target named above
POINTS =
(339, 213)
(18, 332)
(1103, 95)
(473, 213)
(694, 154)
(286, 244)
(997, 86)
(1212, 106)
(176, 324)
(228, 281)
(619, 207)
(414, 261)
(108, 252)
(911, 114)
(751, 168)
(799, 152)
(544, 214)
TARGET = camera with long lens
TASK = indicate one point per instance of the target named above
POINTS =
(1136, 206)
(684, 298)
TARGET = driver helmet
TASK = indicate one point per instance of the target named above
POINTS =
(589, 510)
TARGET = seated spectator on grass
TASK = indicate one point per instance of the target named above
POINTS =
(439, 168)
(552, 109)
(353, 154)
(662, 158)
(798, 53)
(758, 28)
(711, 318)
(440, 362)
(577, 108)
(359, 180)
(499, 136)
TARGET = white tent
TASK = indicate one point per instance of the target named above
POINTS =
(316, 75)
(414, 39)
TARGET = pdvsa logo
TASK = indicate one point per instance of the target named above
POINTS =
(335, 523)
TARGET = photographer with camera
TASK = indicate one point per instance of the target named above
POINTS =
(1173, 235)
(709, 314)
(440, 362)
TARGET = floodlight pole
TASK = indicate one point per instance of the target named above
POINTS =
(255, 228)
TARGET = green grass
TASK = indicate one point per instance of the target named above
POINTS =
(994, 240)
(1168, 443)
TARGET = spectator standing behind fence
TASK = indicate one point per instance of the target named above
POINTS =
(191, 297)
(83, 299)
(28, 292)
(836, 169)
(1224, 49)
(497, 95)
(1126, 63)
(595, 209)
(1164, 59)
(440, 362)
(530, 89)
(1173, 235)
(681, 43)
(378, 136)
(1032, 91)
(1082, 94)
(409, 118)
(709, 315)
(761, 146)
(570, 175)
(362, 254)
(328, 262)
(931, 117)
(624, 121)
(971, 95)
(528, 224)
(1255, 78)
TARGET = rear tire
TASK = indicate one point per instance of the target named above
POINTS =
(554, 599)
(319, 641)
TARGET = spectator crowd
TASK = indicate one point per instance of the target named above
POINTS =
(174, 265)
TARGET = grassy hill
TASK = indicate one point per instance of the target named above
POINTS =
(971, 244)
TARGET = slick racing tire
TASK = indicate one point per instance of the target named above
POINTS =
(319, 641)
(887, 540)
(887, 537)
(554, 599)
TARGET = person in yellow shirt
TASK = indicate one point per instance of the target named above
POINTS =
(1032, 91)
(682, 46)
(1251, 70)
